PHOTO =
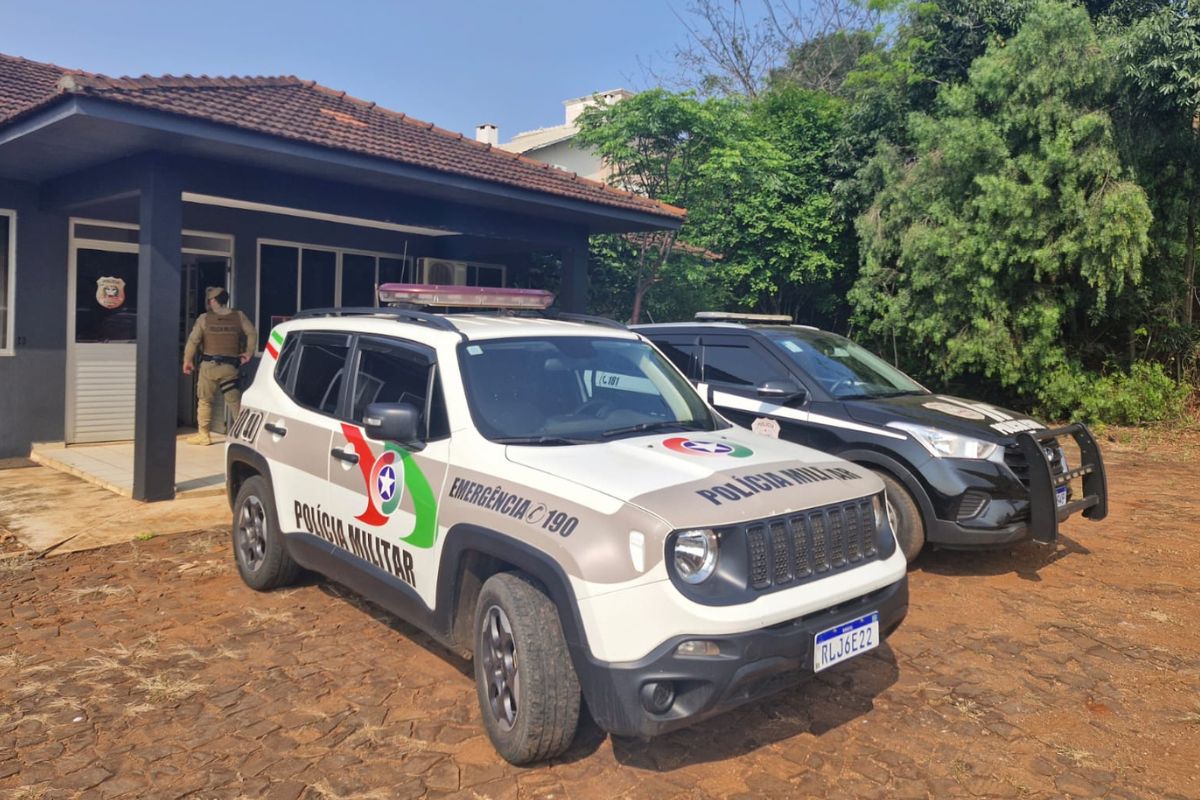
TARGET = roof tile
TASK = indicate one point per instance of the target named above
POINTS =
(305, 111)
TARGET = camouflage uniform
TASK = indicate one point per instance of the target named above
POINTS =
(218, 336)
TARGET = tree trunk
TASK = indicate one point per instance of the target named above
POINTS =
(1189, 262)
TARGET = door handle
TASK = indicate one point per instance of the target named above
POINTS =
(278, 430)
(342, 455)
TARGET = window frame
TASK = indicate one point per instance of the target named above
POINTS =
(10, 299)
(751, 343)
(419, 353)
(336, 339)
(407, 261)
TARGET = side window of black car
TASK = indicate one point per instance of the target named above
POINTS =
(739, 364)
(683, 353)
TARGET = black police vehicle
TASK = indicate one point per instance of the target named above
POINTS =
(959, 473)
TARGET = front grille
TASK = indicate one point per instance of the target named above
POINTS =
(1014, 459)
(787, 550)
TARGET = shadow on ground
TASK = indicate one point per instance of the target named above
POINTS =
(815, 706)
(1024, 559)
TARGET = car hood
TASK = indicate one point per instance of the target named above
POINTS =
(967, 417)
(705, 479)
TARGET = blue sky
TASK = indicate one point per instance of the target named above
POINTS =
(456, 64)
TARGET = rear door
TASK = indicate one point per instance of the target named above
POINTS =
(296, 432)
(385, 495)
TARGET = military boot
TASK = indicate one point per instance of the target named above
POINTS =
(203, 424)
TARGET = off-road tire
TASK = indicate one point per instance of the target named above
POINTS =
(909, 527)
(546, 693)
(260, 553)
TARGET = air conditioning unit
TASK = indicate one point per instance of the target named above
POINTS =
(445, 272)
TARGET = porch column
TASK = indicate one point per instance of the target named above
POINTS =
(573, 295)
(160, 238)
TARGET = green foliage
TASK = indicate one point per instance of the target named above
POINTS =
(1146, 393)
(767, 203)
(1009, 235)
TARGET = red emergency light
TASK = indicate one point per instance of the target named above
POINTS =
(428, 294)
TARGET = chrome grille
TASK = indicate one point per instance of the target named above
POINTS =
(787, 550)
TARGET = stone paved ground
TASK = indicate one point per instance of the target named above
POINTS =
(148, 670)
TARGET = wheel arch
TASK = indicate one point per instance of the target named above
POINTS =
(242, 462)
(472, 554)
(874, 460)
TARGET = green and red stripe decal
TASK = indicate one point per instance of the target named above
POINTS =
(274, 344)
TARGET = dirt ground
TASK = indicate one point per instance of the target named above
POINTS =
(149, 670)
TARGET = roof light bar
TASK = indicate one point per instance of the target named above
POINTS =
(732, 316)
(428, 294)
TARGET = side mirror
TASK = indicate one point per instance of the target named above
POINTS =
(393, 422)
(783, 391)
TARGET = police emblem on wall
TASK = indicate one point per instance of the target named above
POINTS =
(110, 292)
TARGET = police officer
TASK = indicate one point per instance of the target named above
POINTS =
(218, 334)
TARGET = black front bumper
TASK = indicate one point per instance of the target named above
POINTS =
(1020, 500)
(751, 665)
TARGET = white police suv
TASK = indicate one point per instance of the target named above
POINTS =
(553, 496)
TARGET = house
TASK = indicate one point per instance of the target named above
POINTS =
(121, 199)
(556, 145)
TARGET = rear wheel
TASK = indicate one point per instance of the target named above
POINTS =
(258, 547)
(904, 516)
(527, 688)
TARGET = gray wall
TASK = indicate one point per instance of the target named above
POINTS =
(33, 381)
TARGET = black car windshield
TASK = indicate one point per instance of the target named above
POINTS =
(565, 390)
(841, 367)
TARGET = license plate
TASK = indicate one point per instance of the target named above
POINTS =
(1060, 496)
(834, 645)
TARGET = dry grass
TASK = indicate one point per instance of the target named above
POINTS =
(12, 565)
(1191, 717)
(164, 689)
(97, 592)
(1075, 755)
(260, 616)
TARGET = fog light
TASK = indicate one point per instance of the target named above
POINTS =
(698, 647)
(658, 696)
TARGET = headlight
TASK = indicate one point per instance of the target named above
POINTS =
(944, 444)
(696, 555)
(879, 509)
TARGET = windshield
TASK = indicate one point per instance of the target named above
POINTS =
(841, 367)
(573, 390)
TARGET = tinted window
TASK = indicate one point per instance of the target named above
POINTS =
(398, 375)
(683, 355)
(277, 288)
(318, 382)
(841, 367)
(286, 356)
(739, 364)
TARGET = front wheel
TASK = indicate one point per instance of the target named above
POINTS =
(904, 516)
(527, 687)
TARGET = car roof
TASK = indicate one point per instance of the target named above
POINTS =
(473, 327)
(721, 326)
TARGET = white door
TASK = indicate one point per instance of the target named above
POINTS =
(101, 341)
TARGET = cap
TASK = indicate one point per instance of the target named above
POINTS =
(211, 292)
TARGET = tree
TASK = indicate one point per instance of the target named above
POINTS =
(1009, 233)
(654, 143)
(733, 50)
(765, 199)
(1160, 57)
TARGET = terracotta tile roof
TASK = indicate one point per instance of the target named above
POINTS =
(305, 111)
(25, 83)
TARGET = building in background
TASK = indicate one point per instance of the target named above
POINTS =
(556, 145)
(121, 199)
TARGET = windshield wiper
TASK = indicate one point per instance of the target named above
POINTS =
(542, 440)
(662, 424)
